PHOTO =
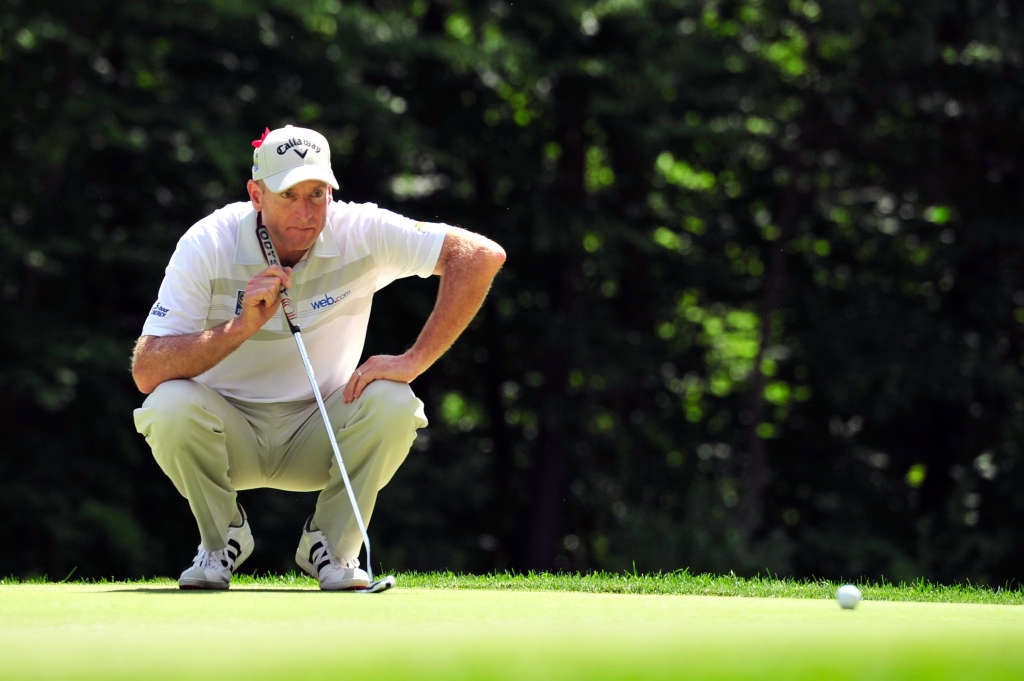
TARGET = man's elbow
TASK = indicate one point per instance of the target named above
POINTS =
(494, 254)
(143, 381)
(144, 378)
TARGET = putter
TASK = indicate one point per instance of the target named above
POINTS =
(376, 586)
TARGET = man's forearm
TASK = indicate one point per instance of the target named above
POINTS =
(467, 265)
(163, 358)
(466, 279)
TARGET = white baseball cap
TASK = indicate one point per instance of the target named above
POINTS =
(289, 155)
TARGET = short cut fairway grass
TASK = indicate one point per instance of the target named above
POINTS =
(679, 583)
(501, 627)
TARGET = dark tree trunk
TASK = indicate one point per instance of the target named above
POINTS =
(771, 300)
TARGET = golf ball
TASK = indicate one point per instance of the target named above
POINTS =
(848, 596)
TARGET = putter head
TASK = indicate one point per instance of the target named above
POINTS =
(378, 585)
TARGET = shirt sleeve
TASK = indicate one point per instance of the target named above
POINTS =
(406, 247)
(183, 304)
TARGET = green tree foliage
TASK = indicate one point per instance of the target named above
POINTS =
(762, 306)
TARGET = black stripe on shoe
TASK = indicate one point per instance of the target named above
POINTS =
(323, 564)
(312, 551)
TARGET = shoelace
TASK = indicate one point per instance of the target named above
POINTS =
(218, 560)
(345, 562)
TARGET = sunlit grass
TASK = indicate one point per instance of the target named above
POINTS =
(507, 628)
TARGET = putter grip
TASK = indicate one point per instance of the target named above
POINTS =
(271, 255)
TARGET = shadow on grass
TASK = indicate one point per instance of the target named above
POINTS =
(176, 590)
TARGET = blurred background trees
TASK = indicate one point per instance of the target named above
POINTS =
(763, 304)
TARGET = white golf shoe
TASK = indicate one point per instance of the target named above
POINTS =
(213, 569)
(335, 574)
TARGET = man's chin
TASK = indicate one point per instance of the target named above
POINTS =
(302, 240)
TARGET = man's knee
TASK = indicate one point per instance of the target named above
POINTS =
(173, 403)
(171, 416)
(395, 403)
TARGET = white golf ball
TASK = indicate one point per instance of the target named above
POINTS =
(848, 596)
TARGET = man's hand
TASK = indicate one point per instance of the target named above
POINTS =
(467, 265)
(263, 297)
(400, 368)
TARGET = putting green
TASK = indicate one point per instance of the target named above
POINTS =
(251, 633)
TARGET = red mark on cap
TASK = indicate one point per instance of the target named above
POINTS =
(258, 143)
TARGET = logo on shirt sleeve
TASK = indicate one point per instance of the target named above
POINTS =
(158, 310)
(239, 297)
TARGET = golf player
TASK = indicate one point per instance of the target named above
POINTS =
(229, 404)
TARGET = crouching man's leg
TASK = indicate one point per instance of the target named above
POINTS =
(208, 450)
(374, 433)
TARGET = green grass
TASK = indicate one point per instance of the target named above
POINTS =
(445, 626)
(679, 583)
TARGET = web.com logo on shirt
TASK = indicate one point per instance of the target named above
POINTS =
(329, 300)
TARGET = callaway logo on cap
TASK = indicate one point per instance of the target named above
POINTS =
(287, 156)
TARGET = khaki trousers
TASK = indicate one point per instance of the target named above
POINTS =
(211, 446)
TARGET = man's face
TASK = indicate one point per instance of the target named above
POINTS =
(294, 217)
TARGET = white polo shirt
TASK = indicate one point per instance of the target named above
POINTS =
(362, 249)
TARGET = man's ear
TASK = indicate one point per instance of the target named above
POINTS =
(255, 194)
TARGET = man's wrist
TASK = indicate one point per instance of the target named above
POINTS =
(419, 361)
(240, 328)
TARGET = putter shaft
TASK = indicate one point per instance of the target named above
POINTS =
(337, 451)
